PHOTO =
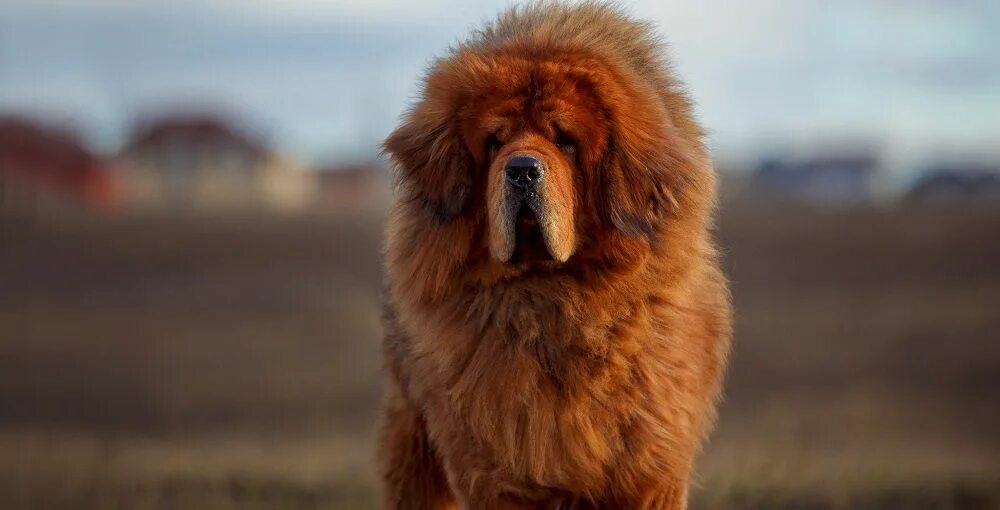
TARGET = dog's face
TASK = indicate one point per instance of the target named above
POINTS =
(537, 140)
(552, 159)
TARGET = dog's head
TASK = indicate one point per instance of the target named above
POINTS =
(548, 158)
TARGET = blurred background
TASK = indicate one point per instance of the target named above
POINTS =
(190, 210)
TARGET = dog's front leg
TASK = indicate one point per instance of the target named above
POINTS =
(412, 476)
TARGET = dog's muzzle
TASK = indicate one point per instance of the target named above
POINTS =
(528, 222)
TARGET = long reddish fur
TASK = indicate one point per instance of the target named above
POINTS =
(588, 384)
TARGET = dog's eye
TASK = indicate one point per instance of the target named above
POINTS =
(492, 144)
(566, 143)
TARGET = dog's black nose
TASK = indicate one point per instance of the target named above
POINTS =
(523, 172)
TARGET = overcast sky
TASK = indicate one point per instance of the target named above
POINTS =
(328, 79)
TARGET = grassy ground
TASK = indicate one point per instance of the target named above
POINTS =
(194, 364)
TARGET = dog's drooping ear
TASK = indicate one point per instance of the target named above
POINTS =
(646, 165)
(637, 193)
(432, 162)
(646, 178)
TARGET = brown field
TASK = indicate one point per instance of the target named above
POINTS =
(234, 363)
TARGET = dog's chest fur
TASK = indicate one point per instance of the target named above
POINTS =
(539, 388)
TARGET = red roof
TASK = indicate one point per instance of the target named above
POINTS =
(192, 131)
(28, 146)
(52, 159)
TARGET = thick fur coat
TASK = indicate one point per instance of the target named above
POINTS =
(561, 347)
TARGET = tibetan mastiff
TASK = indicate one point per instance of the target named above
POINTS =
(556, 319)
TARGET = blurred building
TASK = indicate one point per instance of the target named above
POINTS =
(42, 167)
(202, 163)
(354, 187)
(838, 178)
(955, 182)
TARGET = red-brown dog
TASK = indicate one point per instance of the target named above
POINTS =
(557, 323)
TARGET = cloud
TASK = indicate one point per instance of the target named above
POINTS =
(329, 76)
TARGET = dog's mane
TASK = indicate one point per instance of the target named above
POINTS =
(602, 29)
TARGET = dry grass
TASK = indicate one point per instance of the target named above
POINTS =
(195, 364)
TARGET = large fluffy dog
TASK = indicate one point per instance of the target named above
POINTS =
(557, 323)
